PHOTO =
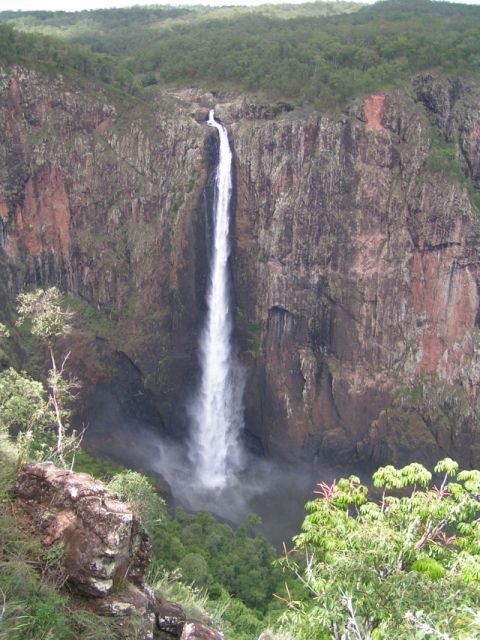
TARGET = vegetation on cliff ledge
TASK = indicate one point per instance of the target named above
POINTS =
(320, 54)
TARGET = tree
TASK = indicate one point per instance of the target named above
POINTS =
(25, 412)
(50, 320)
(406, 565)
(194, 569)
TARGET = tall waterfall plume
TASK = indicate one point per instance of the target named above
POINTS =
(217, 411)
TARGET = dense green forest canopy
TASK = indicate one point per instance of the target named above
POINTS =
(319, 54)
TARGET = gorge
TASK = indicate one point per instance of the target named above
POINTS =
(240, 322)
(354, 264)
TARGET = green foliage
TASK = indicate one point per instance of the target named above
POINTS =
(443, 159)
(255, 337)
(44, 309)
(31, 607)
(97, 467)
(4, 331)
(194, 601)
(25, 412)
(139, 491)
(8, 464)
(194, 569)
(430, 566)
(18, 46)
(217, 573)
(237, 621)
(320, 54)
(23, 403)
(412, 474)
(96, 321)
(35, 610)
(389, 569)
(237, 562)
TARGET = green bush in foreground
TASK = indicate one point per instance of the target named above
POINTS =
(405, 566)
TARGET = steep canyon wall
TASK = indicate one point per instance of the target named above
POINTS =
(356, 253)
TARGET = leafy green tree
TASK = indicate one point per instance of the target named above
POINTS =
(406, 565)
(194, 569)
(49, 320)
(25, 413)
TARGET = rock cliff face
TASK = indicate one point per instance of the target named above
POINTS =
(99, 195)
(355, 266)
(357, 255)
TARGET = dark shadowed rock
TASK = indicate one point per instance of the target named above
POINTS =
(170, 617)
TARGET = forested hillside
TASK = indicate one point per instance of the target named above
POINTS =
(317, 54)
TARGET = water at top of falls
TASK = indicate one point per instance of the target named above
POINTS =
(217, 411)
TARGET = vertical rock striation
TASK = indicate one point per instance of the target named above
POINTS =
(355, 261)
(357, 258)
(99, 194)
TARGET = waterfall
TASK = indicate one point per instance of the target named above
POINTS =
(217, 411)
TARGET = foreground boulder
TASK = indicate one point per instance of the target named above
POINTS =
(170, 618)
(106, 551)
(104, 541)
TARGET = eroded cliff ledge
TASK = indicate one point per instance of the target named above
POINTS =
(356, 252)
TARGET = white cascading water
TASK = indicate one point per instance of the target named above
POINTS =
(217, 411)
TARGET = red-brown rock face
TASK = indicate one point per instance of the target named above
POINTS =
(355, 261)
(106, 207)
(357, 255)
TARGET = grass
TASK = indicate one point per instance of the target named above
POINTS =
(32, 606)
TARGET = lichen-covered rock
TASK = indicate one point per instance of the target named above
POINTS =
(103, 540)
(106, 551)
(131, 608)
(170, 617)
(195, 630)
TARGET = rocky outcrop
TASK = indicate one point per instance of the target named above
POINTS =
(103, 540)
(105, 551)
(355, 266)
(198, 631)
